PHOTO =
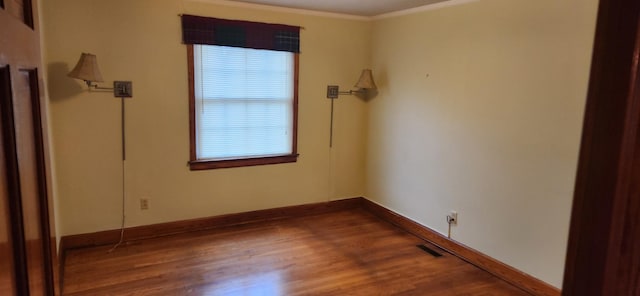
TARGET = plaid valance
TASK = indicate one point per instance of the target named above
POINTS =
(214, 31)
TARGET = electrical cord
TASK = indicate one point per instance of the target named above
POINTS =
(123, 183)
(450, 221)
(122, 225)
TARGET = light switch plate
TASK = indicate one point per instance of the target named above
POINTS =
(122, 89)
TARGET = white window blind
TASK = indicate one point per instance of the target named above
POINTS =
(244, 102)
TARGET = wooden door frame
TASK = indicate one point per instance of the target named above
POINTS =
(604, 239)
(41, 175)
(13, 183)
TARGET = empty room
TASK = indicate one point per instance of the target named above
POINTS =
(274, 147)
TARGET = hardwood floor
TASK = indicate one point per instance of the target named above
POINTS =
(348, 252)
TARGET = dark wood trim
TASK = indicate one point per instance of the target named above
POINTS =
(196, 164)
(13, 182)
(163, 229)
(296, 73)
(493, 266)
(192, 104)
(43, 196)
(234, 163)
(603, 253)
(27, 8)
(62, 257)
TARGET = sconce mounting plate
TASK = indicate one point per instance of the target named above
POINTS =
(332, 91)
(122, 89)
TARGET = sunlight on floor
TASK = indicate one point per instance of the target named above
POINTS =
(255, 284)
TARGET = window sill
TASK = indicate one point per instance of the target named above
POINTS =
(198, 165)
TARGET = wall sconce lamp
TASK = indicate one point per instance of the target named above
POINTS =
(364, 85)
(87, 70)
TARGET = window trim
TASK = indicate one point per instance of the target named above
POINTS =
(204, 164)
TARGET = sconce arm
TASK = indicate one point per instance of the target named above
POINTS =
(351, 92)
(102, 88)
(121, 89)
(333, 92)
(91, 85)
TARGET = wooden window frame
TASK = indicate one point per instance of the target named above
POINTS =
(206, 164)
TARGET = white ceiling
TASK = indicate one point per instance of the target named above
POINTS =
(366, 8)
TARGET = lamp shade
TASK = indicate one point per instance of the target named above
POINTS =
(366, 80)
(87, 69)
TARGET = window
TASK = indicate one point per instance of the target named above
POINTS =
(243, 99)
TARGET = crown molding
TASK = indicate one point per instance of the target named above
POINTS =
(427, 7)
(285, 9)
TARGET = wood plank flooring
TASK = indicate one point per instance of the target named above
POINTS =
(347, 252)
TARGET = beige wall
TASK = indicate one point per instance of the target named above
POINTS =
(480, 111)
(141, 41)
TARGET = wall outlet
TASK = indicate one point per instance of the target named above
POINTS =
(452, 218)
(144, 204)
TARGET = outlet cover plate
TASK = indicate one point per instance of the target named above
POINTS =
(144, 204)
(454, 217)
